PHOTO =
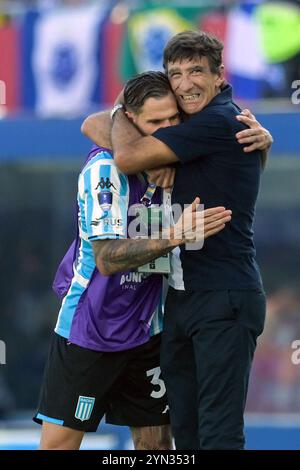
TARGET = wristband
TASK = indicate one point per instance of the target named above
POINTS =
(115, 109)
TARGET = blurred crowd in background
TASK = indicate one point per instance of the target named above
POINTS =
(66, 58)
(62, 57)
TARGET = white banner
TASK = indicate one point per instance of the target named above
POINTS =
(65, 59)
(244, 56)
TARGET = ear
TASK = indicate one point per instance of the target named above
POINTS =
(221, 76)
(130, 116)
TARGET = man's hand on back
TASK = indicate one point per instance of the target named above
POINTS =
(257, 136)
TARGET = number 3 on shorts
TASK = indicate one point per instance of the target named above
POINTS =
(157, 382)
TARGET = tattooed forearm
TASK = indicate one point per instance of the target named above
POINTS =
(113, 256)
(121, 255)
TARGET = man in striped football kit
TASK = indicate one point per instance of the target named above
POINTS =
(104, 356)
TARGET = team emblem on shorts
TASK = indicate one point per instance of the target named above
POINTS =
(84, 408)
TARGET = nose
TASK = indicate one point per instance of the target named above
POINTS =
(186, 83)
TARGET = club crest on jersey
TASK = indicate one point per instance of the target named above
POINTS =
(84, 408)
(105, 199)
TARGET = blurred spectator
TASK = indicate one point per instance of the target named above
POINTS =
(275, 380)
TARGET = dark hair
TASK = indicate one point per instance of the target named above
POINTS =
(143, 86)
(194, 44)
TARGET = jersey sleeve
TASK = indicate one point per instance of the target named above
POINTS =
(103, 200)
(200, 136)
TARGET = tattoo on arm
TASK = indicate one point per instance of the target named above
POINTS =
(120, 255)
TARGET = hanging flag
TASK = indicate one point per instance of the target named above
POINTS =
(215, 23)
(244, 58)
(113, 34)
(64, 61)
(9, 69)
(149, 32)
(279, 20)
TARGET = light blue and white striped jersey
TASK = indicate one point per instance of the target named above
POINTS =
(107, 313)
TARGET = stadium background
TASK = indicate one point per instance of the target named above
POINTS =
(61, 60)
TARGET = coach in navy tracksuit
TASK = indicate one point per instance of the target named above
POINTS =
(214, 316)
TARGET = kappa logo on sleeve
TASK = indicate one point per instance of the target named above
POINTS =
(105, 184)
